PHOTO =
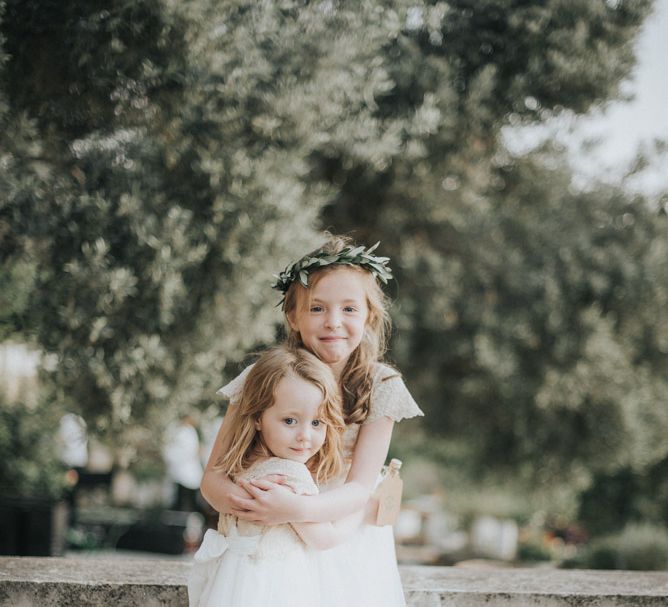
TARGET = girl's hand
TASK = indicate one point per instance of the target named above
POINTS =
(239, 493)
(271, 503)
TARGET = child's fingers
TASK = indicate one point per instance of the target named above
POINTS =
(252, 490)
(261, 483)
(244, 515)
(241, 503)
(279, 479)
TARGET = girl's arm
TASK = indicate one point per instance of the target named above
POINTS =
(216, 487)
(323, 536)
(272, 504)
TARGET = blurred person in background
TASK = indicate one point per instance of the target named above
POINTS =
(181, 453)
(72, 441)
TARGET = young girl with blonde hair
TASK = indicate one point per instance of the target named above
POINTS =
(289, 421)
(334, 306)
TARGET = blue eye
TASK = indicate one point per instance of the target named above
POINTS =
(349, 309)
(316, 308)
(290, 421)
(315, 423)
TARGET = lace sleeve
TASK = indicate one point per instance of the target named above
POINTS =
(390, 397)
(232, 390)
(297, 476)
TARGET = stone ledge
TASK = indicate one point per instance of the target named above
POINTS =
(26, 581)
(70, 582)
(450, 586)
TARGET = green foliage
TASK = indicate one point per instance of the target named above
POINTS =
(530, 316)
(552, 304)
(130, 184)
(637, 547)
(29, 464)
(16, 284)
(533, 552)
(625, 495)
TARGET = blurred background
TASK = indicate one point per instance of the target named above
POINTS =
(160, 161)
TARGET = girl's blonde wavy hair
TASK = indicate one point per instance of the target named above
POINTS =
(246, 443)
(356, 380)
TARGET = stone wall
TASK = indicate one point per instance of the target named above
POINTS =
(68, 582)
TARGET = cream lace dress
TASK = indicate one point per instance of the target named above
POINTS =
(247, 565)
(361, 572)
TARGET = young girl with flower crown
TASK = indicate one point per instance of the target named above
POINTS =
(334, 306)
(289, 421)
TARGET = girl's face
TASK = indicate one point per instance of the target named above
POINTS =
(332, 317)
(291, 427)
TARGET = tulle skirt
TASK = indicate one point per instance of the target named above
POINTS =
(361, 572)
(227, 573)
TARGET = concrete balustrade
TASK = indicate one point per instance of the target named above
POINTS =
(70, 582)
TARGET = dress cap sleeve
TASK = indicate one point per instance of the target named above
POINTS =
(390, 397)
(232, 390)
(297, 475)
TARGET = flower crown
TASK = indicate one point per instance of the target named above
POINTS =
(348, 256)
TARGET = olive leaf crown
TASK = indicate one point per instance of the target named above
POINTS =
(348, 256)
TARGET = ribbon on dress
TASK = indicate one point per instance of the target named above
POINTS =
(213, 546)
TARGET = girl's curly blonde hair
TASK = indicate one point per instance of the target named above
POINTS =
(246, 443)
